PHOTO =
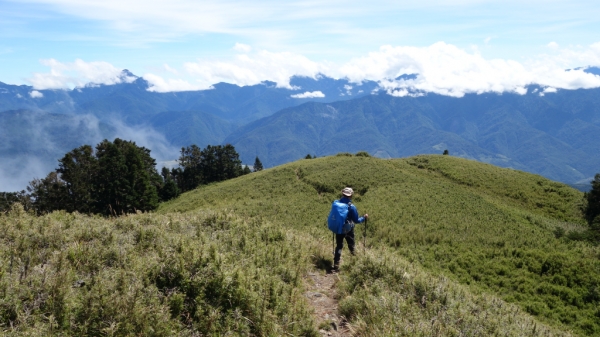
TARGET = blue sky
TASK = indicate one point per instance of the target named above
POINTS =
(185, 44)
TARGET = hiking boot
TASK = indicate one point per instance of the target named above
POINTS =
(335, 268)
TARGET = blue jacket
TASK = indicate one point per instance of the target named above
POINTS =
(353, 211)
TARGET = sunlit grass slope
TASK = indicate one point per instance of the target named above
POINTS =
(215, 273)
(195, 274)
(491, 229)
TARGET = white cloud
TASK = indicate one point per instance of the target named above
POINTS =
(242, 48)
(169, 69)
(36, 94)
(147, 137)
(309, 94)
(550, 90)
(448, 70)
(77, 74)
(439, 68)
(159, 84)
(254, 68)
(487, 40)
(553, 45)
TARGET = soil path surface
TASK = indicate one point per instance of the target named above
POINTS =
(322, 295)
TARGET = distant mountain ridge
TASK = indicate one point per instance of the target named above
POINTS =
(555, 134)
(133, 102)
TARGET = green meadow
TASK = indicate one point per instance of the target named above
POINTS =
(454, 248)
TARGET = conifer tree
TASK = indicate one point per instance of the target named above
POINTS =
(126, 178)
(169, 189)
(77, 169)
(229, 163)
(258, 166)
(48, 194)
(211, 164)
(189, 174)
(7, 199)
(593, 198)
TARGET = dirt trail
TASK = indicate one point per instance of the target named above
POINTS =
(322, 295)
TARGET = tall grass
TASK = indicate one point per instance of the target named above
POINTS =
(384, 295)
(207, 273)
(196, 274)
(491, 229)
(455, 248)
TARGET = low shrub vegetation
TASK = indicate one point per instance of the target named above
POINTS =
(493, 230)
(454, 248)
(385, 295)
(202, 273)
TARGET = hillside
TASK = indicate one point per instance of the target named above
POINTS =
(496, 231)
(455, 248)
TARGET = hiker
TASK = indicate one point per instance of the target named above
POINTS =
(347, 232)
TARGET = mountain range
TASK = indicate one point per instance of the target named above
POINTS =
(554, 134)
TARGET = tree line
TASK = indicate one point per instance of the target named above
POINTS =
(120, 177)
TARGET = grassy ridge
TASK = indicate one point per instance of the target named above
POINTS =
(203, 273)
(207, 273)
(494, 229)
(385, 295)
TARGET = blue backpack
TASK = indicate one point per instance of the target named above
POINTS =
(339, 220)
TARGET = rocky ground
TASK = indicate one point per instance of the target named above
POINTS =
(322, 294)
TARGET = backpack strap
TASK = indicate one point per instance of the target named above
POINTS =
(349, 208)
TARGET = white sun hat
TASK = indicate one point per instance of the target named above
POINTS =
(347, 192)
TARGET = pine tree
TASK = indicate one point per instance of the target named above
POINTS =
(168, 189)
(258, 166)
(229, 163)
(189, 174)
(7, 199)
(592, 210)
(77, 169)
(48, 194)
(126, 179)
(211, 164)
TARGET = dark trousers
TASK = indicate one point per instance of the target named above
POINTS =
(339, 244)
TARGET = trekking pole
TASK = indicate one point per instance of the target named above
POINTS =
(333, 244)
(365, 237)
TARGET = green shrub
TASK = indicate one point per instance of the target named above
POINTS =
(490, 228)
(202, 273)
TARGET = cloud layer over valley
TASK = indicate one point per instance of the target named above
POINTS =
(32, 142)
(440, 68)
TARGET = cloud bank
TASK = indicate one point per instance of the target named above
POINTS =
(36, 94)
(309, 94)
(42, 146)
(250, 68)
(77, 74)
(440, 68)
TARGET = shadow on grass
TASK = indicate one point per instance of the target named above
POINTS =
(323, 263)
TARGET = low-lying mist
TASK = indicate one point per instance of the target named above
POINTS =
(35, 142)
